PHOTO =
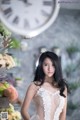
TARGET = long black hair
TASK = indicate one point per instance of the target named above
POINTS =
(57, 77)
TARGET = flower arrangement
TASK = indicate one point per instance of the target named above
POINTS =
(12, 113)
(7, 61)
(7, 42)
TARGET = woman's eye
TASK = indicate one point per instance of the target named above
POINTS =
(52, 64)
(45, 64)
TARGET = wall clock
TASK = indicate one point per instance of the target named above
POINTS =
(28, 17)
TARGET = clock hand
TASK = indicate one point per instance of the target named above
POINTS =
(26, 2)
(29, 4)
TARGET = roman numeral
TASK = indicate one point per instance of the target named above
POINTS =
(37, 21)
(26, 24)
(47, 3)
(8, 12)
(45, 13)
(5, 1)
(16, 20)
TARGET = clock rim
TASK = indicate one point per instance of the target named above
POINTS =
(37, 31)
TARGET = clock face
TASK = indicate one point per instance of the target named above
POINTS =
(28, 17)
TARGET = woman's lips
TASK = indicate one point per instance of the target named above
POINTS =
(50, 72)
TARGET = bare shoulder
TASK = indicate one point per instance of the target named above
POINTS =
(33, 86)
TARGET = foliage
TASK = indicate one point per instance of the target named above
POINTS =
(17, 79)
(14, 43)
(4, 31)
(70, 68)
(72, 49)
(74, 85)
(3, 86)
(72, 106)
(7, 41)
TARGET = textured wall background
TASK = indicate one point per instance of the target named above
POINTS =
(63, 33)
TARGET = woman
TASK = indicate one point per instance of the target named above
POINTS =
(48, 90)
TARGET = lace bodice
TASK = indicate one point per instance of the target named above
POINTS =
(49, 105)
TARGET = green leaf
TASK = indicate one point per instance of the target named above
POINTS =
(18, 79)
(4, 31)
(14, 43)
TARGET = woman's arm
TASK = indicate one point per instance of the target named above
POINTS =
(27, 100)
(63, 114)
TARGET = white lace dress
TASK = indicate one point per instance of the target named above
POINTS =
(49, 105)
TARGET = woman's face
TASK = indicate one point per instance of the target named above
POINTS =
(48, 67)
